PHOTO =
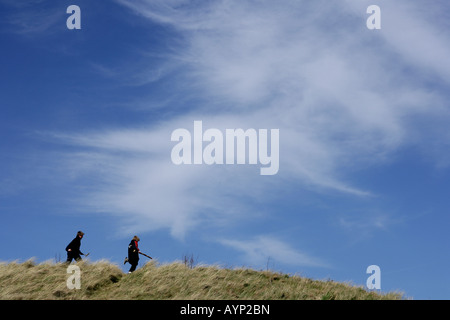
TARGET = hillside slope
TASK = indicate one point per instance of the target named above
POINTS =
(105, 281)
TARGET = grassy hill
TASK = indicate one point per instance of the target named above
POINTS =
(103, 280)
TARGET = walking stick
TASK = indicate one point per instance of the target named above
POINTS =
(145, 255)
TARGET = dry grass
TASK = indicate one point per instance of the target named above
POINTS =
(105, 281)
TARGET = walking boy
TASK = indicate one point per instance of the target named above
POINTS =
(73, 248)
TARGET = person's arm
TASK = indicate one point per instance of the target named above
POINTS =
(79, 246)
(137, 248)
(70, 246)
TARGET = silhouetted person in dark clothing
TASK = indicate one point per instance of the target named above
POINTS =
(73, 248)
(133, 254)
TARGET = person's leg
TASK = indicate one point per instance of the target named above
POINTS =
(133, 266)
(69, 257)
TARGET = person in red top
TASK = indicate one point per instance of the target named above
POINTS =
(133, 254)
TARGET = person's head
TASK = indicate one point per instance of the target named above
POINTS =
(136, 238)
(80, 234)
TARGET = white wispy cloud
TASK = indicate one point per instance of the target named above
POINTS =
(29, 18)
(416, 32)
(343, 97)
(258, 250)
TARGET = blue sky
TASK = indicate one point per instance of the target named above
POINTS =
(87, 116)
